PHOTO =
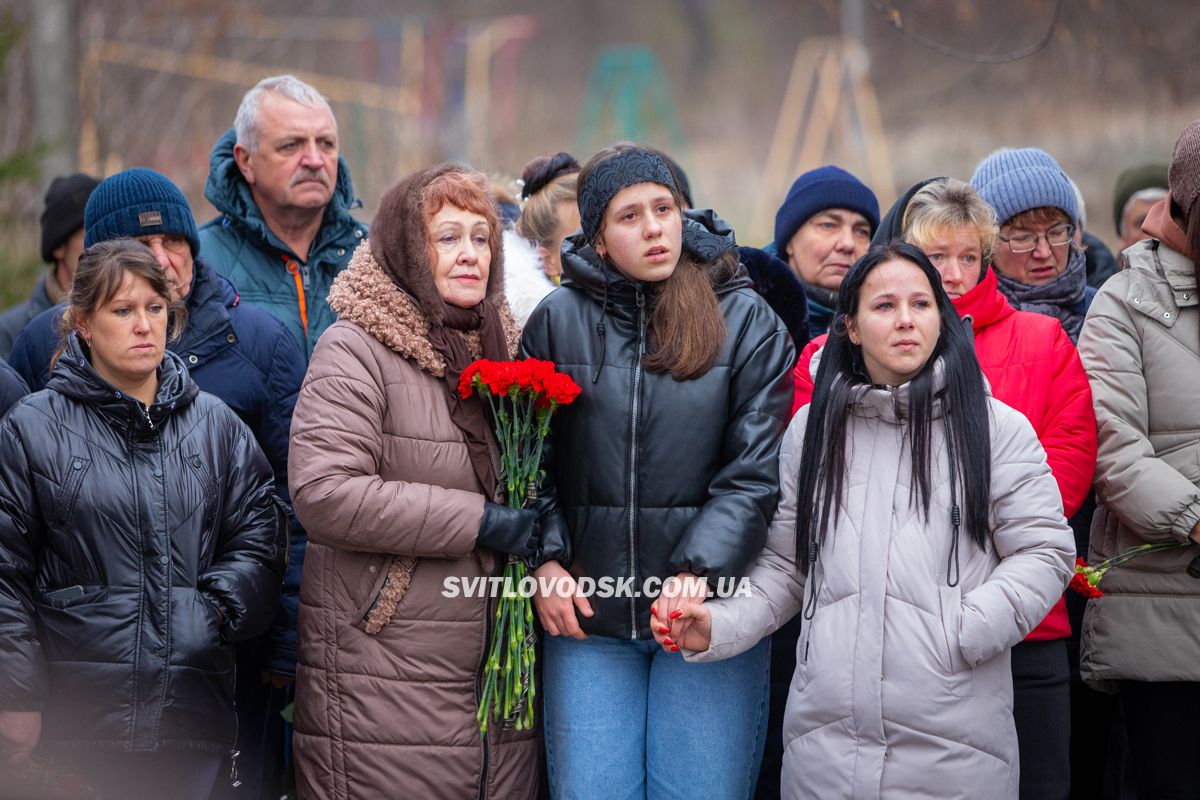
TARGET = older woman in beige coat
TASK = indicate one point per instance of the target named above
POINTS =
(921, 531)
(1141, 348)
(394, 477)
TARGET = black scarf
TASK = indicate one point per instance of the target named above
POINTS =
(468, 414)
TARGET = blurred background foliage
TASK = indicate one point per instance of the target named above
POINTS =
(744, 93)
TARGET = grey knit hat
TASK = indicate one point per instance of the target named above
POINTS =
(1014, 181)
(1183, 176)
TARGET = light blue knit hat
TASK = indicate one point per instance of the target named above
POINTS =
(1013, 181)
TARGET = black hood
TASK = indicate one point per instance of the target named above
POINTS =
(705, 236)
(75, 377)
(891, 226)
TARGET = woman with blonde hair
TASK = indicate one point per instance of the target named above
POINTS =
(533, 266)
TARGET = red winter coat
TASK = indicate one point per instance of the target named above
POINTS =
(1031, 366)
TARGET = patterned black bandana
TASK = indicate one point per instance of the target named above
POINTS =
(613, 175)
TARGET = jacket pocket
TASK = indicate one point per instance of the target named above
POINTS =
(368, 587)
(70, 596)
(68, 493)
(960, 681)
(388, 594)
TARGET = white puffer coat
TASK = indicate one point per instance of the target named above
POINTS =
(903, 685)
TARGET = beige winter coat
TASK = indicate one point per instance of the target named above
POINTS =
(1141, 348)
(388, 667)
(903, 686)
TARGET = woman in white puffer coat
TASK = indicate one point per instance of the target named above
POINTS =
(914, 584)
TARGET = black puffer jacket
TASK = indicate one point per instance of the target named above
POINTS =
(134, 546)
(649, 476)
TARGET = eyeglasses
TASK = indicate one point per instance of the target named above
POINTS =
(1025, 241)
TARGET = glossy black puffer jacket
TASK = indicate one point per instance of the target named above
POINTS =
(135, 546)
(649, 476)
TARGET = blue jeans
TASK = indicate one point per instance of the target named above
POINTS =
(626, 720)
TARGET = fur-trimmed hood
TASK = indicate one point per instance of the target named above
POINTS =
(365, 295)
(400, 243)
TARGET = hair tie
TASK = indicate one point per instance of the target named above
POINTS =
(543, 171)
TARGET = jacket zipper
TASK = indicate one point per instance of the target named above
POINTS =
(633, 448)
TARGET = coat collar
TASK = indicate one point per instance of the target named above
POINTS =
(984, 304)
(365, 295)
(891, 403)
(75, 377)
(584, 270)
(1161, 281)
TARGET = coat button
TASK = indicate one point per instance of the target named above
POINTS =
(164, 560)
(231, 338)
(1137, 301)
(357, 234)
(1166, 315)
(77, 464)
(371, 568)
(158, 472)
(193, 360)
(341, 251)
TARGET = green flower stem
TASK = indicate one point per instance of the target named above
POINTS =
(1138, 551)
(509, 690)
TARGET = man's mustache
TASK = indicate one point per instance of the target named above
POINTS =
(310, 175)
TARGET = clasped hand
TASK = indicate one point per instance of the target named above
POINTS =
(680, 619)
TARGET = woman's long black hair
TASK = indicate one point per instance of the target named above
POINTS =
(965, 415)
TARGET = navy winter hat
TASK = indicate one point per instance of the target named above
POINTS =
(138, 202)
(817, 190)
(1013, 181)
(63, 214)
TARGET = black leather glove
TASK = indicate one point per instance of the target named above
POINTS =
(515, 531)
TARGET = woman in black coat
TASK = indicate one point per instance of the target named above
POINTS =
(664, 468)
(140, 536)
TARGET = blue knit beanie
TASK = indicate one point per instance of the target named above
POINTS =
(817, 190)
(138, 202)
(1013, 181)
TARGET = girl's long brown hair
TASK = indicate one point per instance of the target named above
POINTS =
(687, 328)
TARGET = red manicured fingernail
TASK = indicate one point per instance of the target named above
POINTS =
(664, 630)
(668, 643)
(654, 610)
(674, 649)
(676, 614)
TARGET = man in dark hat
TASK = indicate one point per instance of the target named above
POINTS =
(1138, 189)
(62, 242)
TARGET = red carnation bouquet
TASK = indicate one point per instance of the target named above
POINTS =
(522, 396)
(1086, 580)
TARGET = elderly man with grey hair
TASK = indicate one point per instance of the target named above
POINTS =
(285, 196)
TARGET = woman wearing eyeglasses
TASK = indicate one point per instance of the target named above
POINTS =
(1039, 267)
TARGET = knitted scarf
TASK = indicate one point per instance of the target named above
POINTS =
(1061, 298)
